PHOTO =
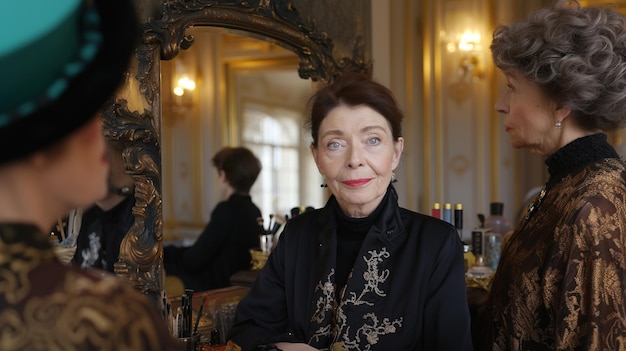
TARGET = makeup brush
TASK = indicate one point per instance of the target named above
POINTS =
(259, 221)
(195, 327)
(269, 226)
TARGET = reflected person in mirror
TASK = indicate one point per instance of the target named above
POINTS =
(561, 280)
(65, 61)
(222, 249)
(104, 225)
(361, 273)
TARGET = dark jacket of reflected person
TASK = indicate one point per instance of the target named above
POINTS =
(361, 273)
(222, 249)
(58, 70)
(104, 225)
(561, 280)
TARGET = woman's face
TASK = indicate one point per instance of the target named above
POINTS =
(530, 116)
(356, 154)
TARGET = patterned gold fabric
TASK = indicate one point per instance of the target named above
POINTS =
(45, 305)
(561, 282)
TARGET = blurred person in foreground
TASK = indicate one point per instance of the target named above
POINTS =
(58, 69)
(361, 273)
(561, 281)
(222, 249)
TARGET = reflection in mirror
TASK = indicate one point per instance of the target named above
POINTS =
(229, 89)
(97, 231)
(164, 36)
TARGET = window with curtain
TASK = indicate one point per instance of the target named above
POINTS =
(273, 134)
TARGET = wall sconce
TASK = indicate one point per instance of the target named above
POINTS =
(467, 49)
(183, 80)
(183, 86)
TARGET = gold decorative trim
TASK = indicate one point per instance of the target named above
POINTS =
(140, 251)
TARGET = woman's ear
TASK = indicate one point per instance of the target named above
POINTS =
(315, 154)
(562, 113)
(221, 175)
(398, 147)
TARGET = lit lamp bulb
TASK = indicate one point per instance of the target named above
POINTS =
(179, 91)
(184, 83)
(469, 68)
(470, 41)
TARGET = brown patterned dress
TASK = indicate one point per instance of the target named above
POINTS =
(561, 282)
(45, 305)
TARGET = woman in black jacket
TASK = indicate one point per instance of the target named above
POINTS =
(361, 273)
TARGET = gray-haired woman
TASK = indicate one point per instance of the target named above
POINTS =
(561, 281)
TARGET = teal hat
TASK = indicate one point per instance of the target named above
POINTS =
(59, 61)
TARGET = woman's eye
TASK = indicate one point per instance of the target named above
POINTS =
(333, 145)
(374, 141)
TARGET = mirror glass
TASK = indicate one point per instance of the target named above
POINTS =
(232, 89)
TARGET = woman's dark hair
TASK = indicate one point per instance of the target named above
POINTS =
(240, 166)
(576, 55)
(353, 89)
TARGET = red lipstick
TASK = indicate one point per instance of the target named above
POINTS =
(357, 182)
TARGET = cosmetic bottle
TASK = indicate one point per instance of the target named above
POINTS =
(213, 344)
(458, 219)
(468, 256)
(479, 270)
(499, 226)
(447, 212)
(435, 211)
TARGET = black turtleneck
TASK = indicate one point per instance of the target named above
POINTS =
(576, 155)
(350, 235)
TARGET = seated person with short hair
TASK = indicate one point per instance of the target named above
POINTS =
(222, 248)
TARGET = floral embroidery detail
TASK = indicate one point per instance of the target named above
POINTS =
(346, 332)
(373, 278)
(325, 302)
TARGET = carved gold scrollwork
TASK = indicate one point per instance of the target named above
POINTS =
(274, 20)
(140, 251)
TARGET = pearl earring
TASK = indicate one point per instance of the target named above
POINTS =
(558, 125)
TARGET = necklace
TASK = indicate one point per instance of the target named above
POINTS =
(535, 204)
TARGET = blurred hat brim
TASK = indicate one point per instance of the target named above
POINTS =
(86, 92)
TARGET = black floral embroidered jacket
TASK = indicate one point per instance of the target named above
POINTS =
(406, 290)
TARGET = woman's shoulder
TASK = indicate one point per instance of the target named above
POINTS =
(603, 178)
(307, 223)
(116, 304)
(309, 219)
(606, 170)
(93, 281)
(424, 228)
(412, 217)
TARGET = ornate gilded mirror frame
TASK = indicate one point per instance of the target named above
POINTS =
(140, 259)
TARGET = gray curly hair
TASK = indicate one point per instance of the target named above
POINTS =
(576, 55)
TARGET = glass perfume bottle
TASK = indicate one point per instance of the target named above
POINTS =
(499, 226)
